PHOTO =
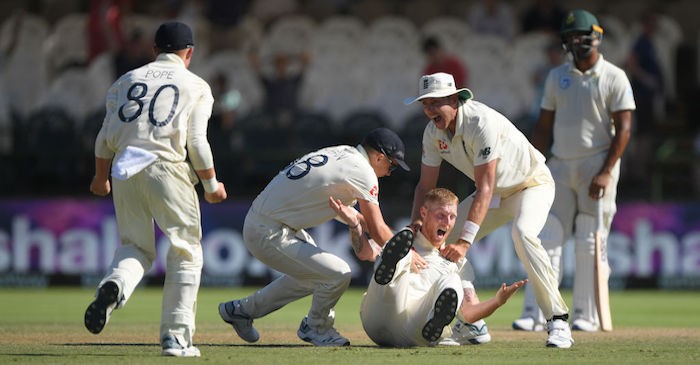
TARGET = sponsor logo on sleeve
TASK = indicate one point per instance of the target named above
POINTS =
(374, 191)
(485, 152)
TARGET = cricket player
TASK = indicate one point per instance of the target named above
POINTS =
(296, 199)
(512, 184)
(586, 119)
(156, 117)
(409, 303)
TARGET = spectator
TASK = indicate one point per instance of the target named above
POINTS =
(440, 60)
(282, 87)
(492, 17)
(104, 27)
(647, 79)
(543, 16)
(136, 53)
(554, 57)
(223, 141)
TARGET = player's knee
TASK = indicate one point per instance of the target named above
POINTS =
(585, 234)
(343, 275)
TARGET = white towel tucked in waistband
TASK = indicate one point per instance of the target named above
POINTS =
(131, 162)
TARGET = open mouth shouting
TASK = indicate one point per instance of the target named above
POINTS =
(441, 233)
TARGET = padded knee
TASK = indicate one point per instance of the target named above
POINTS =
(585, 234)
(552, 234)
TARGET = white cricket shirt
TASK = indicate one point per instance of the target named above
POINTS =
(583, 104)
(298, 195)
(162, 108)
(481, 136)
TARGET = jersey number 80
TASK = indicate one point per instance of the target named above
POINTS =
(136, 93)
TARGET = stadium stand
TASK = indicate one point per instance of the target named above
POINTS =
(365, 59)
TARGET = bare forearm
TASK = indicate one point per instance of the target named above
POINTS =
(102, 166)
(481, 310)
(362, 247)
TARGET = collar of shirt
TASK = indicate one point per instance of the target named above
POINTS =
(593, 71)
(170, 57)
(363, 152)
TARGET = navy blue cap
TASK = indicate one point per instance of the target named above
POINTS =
(174, 36)
(389, 143)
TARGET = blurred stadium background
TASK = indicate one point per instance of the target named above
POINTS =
(357, 60)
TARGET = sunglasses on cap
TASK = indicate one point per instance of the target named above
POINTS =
(393, 165)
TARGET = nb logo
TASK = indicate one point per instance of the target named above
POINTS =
(485, 152)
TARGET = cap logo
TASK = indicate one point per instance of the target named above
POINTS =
(570, 19)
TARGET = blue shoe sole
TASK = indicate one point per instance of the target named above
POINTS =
(395, 249)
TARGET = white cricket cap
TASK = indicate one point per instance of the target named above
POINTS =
(438, 85)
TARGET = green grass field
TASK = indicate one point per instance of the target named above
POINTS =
(45, 327)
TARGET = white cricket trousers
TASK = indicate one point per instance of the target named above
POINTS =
(528, 209)
(394, 314)
(577, 212)
(307, 269)
(163, 192)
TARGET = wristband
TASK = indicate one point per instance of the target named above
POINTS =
(210, 185)
(355, 226)
(469, 231)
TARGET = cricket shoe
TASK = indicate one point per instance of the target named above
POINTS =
(583, 325)
(171, 347)
(98, 312)
(464, 333)
(559, 334)
(328, 338)
(443, 313)
(232, 313)
(528, 324)
(394, 250)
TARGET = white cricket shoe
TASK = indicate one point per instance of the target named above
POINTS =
(584, 325)
(559, 334)
(232, 313)
(528, 324)
(464, 333)
(171, 347)
(394, 250)
(330, 337)
(98, 312)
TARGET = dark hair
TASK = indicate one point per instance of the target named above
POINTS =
(431, 43)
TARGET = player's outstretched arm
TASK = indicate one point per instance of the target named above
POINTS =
(474, 312)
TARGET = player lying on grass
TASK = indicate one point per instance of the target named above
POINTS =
(296, 199)
(410, 302)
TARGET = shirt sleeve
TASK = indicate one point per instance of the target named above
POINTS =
(548, 98)
(197, 143)
(431, 155)
(485, 140)
(102, 149)
(366, 185)
(621, 96)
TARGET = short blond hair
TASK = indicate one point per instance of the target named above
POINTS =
(441, 196)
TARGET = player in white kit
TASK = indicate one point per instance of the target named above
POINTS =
(156, 117)
(296, 199)
(409, 303)
(586, 119)
(512, 184)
